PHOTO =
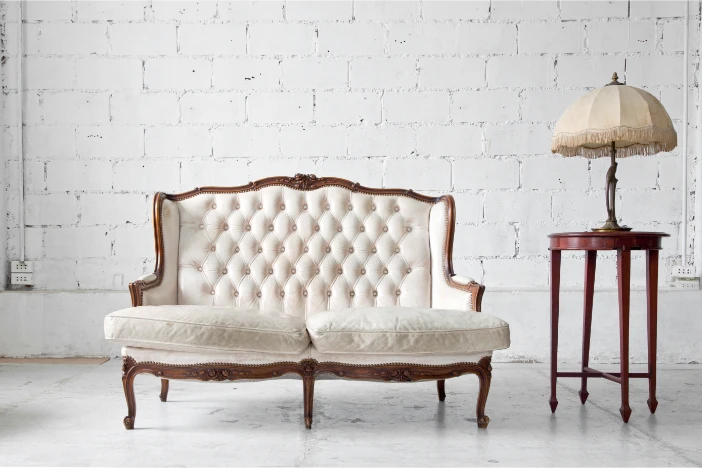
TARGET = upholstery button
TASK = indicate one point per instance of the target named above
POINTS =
(260, 250)
(397, 250)
(375, 293)
(316, 228)
(294, 227)
(397, 293)
(328, 293)
(373, 207)
(397, 208)
(260, 206)
(236, 249)
(328, 249)
(248, 227)
(213, 248)
(270, 228)
(304, 207)
(282, 293)
(282, 249)
(225, 227)
(237, 206)
(293, 271)
(374, 250)
(202, 226)
(316, 270)
(258, 294)
(352, 293)
(339, 271)
(363, 229)
(247, 271)
(327, 206)
(306, 249)
(236, 293)
(212, 292)
(338, 229)
(385, 229)
(270, 271)
(282, 207)
(385, 271)
(199, 268)
(409, 229)
(304, 293)
(409, 270)
(350, 207)
(351, 249)
(224, 272)
(214, 205)
(363, 271)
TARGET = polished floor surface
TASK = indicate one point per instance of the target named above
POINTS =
(62, 414)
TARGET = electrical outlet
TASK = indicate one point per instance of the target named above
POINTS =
(17, 266)
(687, 283)
(24, 279)
(684, 272)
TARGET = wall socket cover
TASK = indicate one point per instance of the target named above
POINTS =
(25, 279)
(17, 266)
(684, 272)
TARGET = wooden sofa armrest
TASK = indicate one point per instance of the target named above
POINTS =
(471, 286)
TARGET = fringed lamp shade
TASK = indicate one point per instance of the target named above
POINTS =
(617, 121)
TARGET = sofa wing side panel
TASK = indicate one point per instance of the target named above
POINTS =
(448, 291)
(161, 286)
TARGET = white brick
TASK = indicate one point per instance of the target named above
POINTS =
(260, 168)
(295, 107)
(422, 38)
(532, 71)
(650, 205)
(411, 106)
(65, 38)
(212, 39)
(177, 142)
(383, 72)
(78, 175)
(519, 10)
(551, 37)
(56, 274)
(281, 39)
(386, 10)
(110, 11)
(347, 108)
(673, 35)
(518, 139)
(77, 242)
(387, 140)
(632, 172)
(654, 70)
(523, 207)
(554, 173)
(485, 106)
(244, 142)
(96, 273)
(658, 8)
(212, 108)
(257, 10)
(136, 108)
(315, 72)
(541, 105)
(670, 172)
(533, 238)
(184, 10)
(581, 207)
(34, 179)
(213, 173)
(478, 174)
(306, 10)
(588, 71)
(110, 143)
(452, 10)
(177, 73)
(48, 73)
(621, 36)
(515, 272)
(350, 38)
(108, 73)
(594, 9)
(311, 141)
(41, 142)
(469, 207)
(55, 208)
(484, 241)
(133, 242)
(366, 171)
(142, 39)
(76, 108)
(420, 174)
(487, 38)
(246, 73)
(146, 176)
(442, 140)
(451, 72)
(47, 10)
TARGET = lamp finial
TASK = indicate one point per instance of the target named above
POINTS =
(615, 80)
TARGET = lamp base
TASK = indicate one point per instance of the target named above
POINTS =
(611, 226)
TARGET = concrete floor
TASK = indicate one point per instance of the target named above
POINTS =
(61, 415)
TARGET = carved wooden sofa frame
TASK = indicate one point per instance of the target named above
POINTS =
(307, 369)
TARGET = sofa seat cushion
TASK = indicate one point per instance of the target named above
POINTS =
(406, 330)
(188, 327)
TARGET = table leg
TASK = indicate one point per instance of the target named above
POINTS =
(624, 274)
(555, 305)
(652, 312)
(590, 262)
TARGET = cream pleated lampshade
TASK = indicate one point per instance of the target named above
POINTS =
(633, 119)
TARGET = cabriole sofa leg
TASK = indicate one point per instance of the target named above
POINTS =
(164, 390)
(308, 387)
(128, 384)
(485, 376)
(440, 388)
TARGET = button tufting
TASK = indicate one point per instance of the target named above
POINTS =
(385, 229)
(316, 270)
(236, 293)
(202, 226)
(328, 293)
(282, 207)
(214, 205)
(363, 271)
(260, 206)
(397, 250)
(294, 227)
(352, 293)
(375, 293)
(316, 228)
(306, 249)
(225, 227)
(350, 207)
(304, 207)
(199, 268)
(282, 293)
(374, 250)
(293, 271)
(247, 271)
(327, 206)
(351, 249)
(385, 271)
(237, 206)
(224, 272)
(363, 229)
(397, 293)
(304, 293)
(248, 227)
(339, 271)
(212, 292)
(236, 249)
(409, 229)
(373, 207)
(282, 249)
(328, 249)
(270, 228)
(258, 294)
(260, 250)
(397, 208)
(409, 270)
(338, 229)
(270, 271)
(213, 248)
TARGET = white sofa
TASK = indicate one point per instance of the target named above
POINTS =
(308, 276)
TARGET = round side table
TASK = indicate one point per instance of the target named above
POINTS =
(623, 242)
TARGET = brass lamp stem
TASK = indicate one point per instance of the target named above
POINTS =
(610, 197)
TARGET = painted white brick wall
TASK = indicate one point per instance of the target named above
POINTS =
(126, 98)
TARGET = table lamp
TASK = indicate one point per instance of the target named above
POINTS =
(617, 121)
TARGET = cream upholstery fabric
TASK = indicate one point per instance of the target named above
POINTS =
(207, 328)
(302, 252)
(399, 330)
(166, 292)
(202, 357)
